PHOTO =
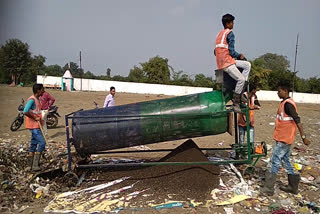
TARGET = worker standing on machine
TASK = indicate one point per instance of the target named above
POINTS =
(225, 57)
(287, 123)
(242, 122)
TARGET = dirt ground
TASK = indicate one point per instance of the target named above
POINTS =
(72, 101)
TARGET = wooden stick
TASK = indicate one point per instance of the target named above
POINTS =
(43, 132)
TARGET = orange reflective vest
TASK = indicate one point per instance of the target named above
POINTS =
(242, 118)
(286, 129)
(30, 122)
(223, 57)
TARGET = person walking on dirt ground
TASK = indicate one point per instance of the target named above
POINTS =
(225, 57)
(109, 101)
(32, 111)
(46, 101)
(287, 123)
(242, 124)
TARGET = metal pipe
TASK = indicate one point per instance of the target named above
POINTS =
(191, 115)
(160, 164)
(68, 143)
(248, 132)
(143, 151)
(156, 150)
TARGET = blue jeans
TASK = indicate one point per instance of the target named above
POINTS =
(280, 155)
(37, 141)
(242, 134)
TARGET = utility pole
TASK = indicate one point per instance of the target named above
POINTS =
(295, 63)
(80, 73)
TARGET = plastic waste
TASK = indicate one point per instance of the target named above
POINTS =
(311, 205)
(298, 166)
(40, 190)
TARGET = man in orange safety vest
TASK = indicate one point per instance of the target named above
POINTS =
(32, 111)
(226, 60)
(287, 123)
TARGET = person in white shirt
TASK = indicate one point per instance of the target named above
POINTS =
(109, 101)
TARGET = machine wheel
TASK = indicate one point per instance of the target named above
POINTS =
(52, 121)
(71, 179)
(248, 171)
(16, 124)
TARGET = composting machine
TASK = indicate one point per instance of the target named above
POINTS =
(100, 131)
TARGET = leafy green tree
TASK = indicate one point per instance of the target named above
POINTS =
(179, 78)
(137, 75)
(200, 80)
(16, 58)
(120, 78)
(314, 85)
(80, 73)
(176, 75)
(281, 76)
(102, 77)
(259, 75)
(157, 70)
(279, 66)
(89, 75)
(4, 75)
(185, 80)
(36, 67)
(52, 70)
(274, 62)
(108, 72)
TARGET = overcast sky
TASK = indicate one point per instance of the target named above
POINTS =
(122, 33)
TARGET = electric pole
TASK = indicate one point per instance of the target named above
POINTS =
(80, 73)
(295, 63)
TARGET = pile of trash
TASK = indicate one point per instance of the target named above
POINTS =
(160, 187)
(207, 188)
(16, 177)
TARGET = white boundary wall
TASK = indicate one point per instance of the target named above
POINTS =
(145, 88)
(297, 96)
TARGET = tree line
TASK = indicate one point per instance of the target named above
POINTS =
(17, 65)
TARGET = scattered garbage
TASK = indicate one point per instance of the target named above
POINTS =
(92, 199)
(229, 210)
(170, 204)
(235, 199)
(232, 191)
(283, 211)
(298, 166)
(40, 190)
(310, 205)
